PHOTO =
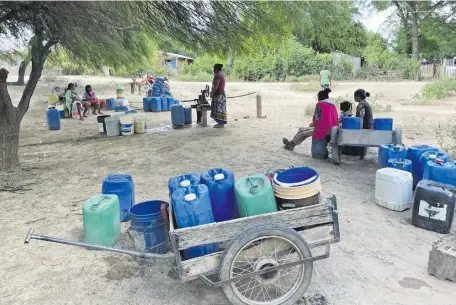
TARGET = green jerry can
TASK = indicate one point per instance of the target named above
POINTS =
(101, 219)
(254, 196)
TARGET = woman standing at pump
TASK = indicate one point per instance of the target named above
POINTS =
(218, 105)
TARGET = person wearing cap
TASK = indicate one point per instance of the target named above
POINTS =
(218, 105)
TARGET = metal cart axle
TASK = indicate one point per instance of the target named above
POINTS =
(31, 235)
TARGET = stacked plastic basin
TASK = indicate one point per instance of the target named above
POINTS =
(413, 154)
(53, 119)
(177, 116)
(220, 183)
(192, 207)
(101, 220)
(352, 123)
(429, 156)
(382, 124)
(148, 227)
(400, 163)
(297, 187)
(442, 171)
(254, 196)
(121, 185)
(389, 151)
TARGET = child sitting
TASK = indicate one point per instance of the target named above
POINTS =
(345, 110)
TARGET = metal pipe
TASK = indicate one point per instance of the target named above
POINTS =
(31, 235)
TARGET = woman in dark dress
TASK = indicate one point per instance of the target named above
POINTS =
(218, 106)
(364, 112)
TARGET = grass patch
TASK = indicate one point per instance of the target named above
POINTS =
(440, 89)
(311, 86)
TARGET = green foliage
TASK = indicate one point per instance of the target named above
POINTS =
(440, 89)
(380, 58)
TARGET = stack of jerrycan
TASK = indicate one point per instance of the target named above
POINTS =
(413, 154)
(183, 181)
(192, 207)
(390, 151)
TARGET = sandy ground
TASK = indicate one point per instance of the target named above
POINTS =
(381, 259)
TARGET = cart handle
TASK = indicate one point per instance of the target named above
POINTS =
(237, 278)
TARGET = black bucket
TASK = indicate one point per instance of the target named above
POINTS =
(101, 123)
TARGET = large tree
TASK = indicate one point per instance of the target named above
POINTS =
(414, 14)
(109, 33)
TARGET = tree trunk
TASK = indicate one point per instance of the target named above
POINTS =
(414, 31)
(9, 130)
(22, 68)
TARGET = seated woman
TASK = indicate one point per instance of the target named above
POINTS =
(73, 104)
(325, 117)
(89, 96)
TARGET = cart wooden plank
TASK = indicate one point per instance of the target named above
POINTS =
(217, 232)
(365, 137)
(209, 264)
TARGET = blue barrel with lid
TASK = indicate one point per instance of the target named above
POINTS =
(390, 151)
(413, 154)
(220, 182)
(192, 207)
(147, 104)
(352, 123)
(121, 185)
(164, 104)
(183, 181)
(188, 115)
(110, 104)
(382, 124)
(177, 115)
(156, 104)
(400, 163)
(429, 156)
(148, 226)
(53, 119)
(440, 171)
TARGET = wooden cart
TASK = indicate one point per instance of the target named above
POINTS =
(361, 138)
(260, 254)
(263, 260)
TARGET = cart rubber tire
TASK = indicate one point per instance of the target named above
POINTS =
(252, 233)
(397, 135)
(336, 151)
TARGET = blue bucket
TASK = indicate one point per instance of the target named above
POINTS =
(295, 177)
(148, 226)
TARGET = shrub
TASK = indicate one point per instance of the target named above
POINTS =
(446, 136)
(440, 89)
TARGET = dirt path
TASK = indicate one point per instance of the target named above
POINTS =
(381, 259)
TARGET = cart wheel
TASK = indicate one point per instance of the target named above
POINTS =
(336, 151)
(264, 246)
(397, 135)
